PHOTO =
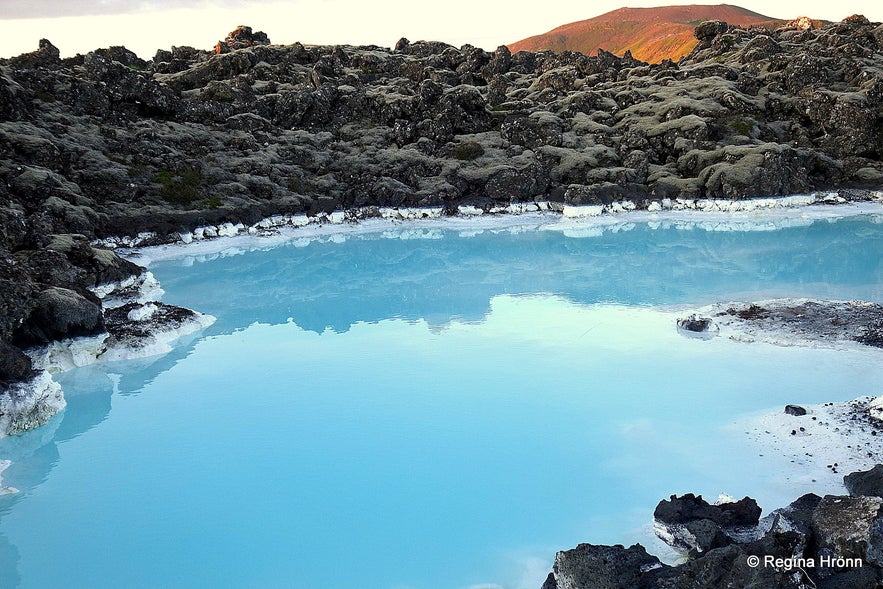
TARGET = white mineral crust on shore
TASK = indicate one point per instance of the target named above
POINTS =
(30, 404)
(158, 342)
(67, 354)
(830, 441)
(272, 225)
(141, 289)
(780, 322)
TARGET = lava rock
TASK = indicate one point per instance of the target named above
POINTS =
(240, 38)
(703, 535)
(60, 313)
(871, 334)
(842, 524)
(724, 567)
(689, 507)
(708, 30)
(15, 365)
(865, 483)
(695, 323)
(795, 410)
(608, 567)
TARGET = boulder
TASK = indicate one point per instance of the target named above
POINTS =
(695, 323)
(865, 483)
(240, 38)
(724, 567)
(702, 535)
(604, 567)
(46, 56)
(795, 410)
(842, 525)
(689, 507)
(708, 30)
(15, 365)
(60, 313)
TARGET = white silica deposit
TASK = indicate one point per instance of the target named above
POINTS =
(30, 404)
(820, 447)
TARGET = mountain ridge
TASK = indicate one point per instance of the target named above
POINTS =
(651, 34)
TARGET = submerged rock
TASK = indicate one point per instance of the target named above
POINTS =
(697, 327)
(695, 323)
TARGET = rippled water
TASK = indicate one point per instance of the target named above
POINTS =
(441, 411)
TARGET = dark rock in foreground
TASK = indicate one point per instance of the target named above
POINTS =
(831, 541)
(692, 525)
(60, 313)
(15, 365)
(865, 483)
(689, 507)
(612, 567)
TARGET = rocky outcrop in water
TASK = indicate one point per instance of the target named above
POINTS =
(793, 322)
(815, 542)
(109, 144)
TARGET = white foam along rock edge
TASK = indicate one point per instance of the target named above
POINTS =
(29, 404)
(828, 442)
(273, 224)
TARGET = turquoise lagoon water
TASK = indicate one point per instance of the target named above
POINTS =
(440, 412)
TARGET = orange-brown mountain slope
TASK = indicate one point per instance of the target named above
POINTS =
(651, 34)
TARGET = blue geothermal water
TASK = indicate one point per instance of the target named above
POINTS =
(377, 412)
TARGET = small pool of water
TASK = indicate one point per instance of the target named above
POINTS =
(438, 412)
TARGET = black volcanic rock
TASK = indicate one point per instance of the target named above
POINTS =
(689, 507)
(60, 313)
(15, 365)
(610, 567)
(791, 551)
(866, 483)
(795, 410)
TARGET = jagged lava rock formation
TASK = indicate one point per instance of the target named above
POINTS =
(815, 542)
(109, 144)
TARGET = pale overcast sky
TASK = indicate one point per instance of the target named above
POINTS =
(78, 26)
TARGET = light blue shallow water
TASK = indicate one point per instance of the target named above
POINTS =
(385, 413)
